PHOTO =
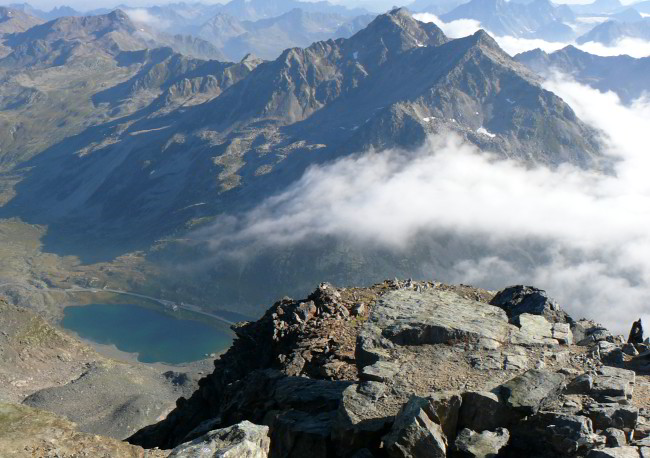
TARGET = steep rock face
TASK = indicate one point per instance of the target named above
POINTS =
(422, 381)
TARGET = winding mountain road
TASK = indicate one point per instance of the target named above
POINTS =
(166, 303)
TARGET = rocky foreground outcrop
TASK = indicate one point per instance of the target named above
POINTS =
(406, 369)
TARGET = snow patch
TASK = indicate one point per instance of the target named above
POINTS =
(428, 119)
(511, 102)
(355, 54)
(484, 131)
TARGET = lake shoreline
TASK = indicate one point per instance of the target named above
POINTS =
(143, 335)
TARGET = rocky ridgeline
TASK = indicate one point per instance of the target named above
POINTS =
(406, 369)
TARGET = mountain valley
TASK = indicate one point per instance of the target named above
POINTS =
(194, 163)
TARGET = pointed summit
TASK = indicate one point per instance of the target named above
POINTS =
(393, 33)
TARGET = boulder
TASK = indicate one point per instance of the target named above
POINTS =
(358, 422)
(470, 444)
(559, 434)
(295, 434)
(515, 362)
(483, 410)
(516, 300)
(636, 333)
(444, 408)
(526, 392)
(582, 384)
(609, 353)
(612, 384)
(615, 437)
(630, 349)
(612, 415)
(616, 452)
(241, 440)
(569, 434)
(562, 332)
(379, 371)
(536, 327)
(586, 332)
(415, 434)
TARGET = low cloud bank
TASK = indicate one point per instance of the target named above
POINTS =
(142, 16)
(591, 231)
(513, 45)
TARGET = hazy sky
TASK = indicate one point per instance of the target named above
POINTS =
(84, 5)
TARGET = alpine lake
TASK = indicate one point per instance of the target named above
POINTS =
(156, 335)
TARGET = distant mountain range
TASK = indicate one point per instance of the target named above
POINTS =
(610, 32)
(144, 144)
(58, 40)
(642, 7)
(598, 7)
(624, 75)
(537, 19)
(13, 20)
(267, 38)
(55, 13)
(262, 27)
(437, 7)
(253, 10)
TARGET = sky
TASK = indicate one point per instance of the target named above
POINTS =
(85, 5)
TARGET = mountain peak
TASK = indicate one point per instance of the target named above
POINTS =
(119, 16)
(484, 40)
(396, 32)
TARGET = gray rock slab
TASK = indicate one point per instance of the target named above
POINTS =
(526, 392)
(615, 452)
(612, 382)
(359, 422)
(612, 415)
(615, 437)
(415, 434)
(484, 410)
(470, 444)
(244, 439)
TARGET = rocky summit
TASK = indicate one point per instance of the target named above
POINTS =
(417, 369)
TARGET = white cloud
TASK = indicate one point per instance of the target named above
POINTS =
(143, 16)
(453, 29)
(631, 46)
(591, 231)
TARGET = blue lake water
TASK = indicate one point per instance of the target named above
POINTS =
(154, 335)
